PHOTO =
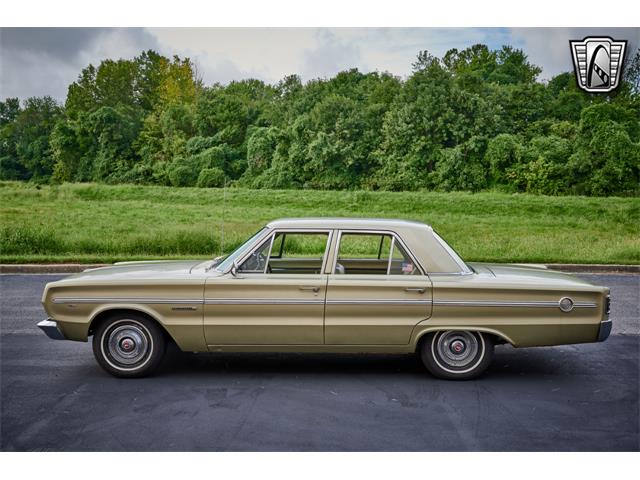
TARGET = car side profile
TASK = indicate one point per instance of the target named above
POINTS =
(326, 285)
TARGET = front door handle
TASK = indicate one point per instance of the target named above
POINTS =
(310, 289)
(415, 289)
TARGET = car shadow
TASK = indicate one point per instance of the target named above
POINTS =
(508, 362)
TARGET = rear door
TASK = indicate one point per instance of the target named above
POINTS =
(376, 291)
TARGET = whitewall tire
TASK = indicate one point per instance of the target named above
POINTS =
(457, 354)
(128, 344)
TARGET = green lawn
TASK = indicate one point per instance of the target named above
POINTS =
(100, 223)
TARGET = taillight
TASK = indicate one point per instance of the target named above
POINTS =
(607, 305)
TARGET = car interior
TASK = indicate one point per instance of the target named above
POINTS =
(303, 252)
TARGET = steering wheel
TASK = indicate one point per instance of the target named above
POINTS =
(260, 260)
(255, 263)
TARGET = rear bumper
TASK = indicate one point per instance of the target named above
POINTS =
(50, 327)
(605, 330)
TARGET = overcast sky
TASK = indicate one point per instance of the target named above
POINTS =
(44, 61)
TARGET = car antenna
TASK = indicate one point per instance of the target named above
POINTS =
(224, 206)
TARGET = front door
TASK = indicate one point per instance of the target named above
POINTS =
(376, 292)
(276, 297)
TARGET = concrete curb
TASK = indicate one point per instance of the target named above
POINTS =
(594, 268)
(79, 267)
(48, 268)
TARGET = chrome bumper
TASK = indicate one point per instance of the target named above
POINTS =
(605, 330)
(50, 327)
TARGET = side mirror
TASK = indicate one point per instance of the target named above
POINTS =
(234, 269)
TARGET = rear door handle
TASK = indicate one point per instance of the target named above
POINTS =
(310, 289)
(415, 289)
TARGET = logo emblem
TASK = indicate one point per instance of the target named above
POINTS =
(598, 63)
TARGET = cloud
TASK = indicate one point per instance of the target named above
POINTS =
(264, 53)
(44, 61)
(331, 53)
(549, 47)
(59, 43)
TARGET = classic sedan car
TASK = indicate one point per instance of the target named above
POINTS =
(326, 285)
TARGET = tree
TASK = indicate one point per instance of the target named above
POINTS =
(10, 166)
(115, 129)
(607, 156)
(32, 129)
(472, 119)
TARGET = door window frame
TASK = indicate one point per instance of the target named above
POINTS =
(271, 237)
(394, 238)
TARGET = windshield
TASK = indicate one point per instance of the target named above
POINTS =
(238, 252)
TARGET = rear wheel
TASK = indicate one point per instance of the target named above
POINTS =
(457, 354)
(129, 345)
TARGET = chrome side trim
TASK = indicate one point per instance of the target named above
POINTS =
(490, 303)
(261, 301)
(145, 300)
(379, 302)
(585, 305)
(293, 301)
(431, 274)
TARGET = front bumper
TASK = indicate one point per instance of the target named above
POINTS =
(605, 330)
(50, 327)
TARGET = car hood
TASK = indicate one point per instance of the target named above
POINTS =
(134, 270)
(516, 273)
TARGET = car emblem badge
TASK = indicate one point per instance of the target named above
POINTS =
(598, 62)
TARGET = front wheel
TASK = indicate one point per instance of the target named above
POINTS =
(128, 345)
(457, 354)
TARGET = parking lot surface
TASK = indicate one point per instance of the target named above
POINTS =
(576, 397)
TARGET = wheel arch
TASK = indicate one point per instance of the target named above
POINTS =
(104, 313)
(422, 335)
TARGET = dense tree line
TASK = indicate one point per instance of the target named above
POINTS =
(471, 120)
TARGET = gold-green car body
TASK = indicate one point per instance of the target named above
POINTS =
(318, 305)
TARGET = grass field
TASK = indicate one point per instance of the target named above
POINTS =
(100, 223)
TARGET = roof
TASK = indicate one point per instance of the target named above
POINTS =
(345, 223)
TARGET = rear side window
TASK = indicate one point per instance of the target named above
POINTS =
(372, 254)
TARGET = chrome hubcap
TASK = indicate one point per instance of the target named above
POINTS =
(457, 349)
(127, 344)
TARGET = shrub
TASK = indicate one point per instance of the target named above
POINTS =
(260, 150)
(544, 176)
(461, 167)
(503, 152)
(211, 177)
(198, 144)
(181, 175)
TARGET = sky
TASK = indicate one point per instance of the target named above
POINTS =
(44, 61)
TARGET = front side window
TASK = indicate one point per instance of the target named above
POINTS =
(373, 254)
(257, 261)
(288, 253)
(238, 252)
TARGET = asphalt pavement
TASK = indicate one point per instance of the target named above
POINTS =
(568, 398)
